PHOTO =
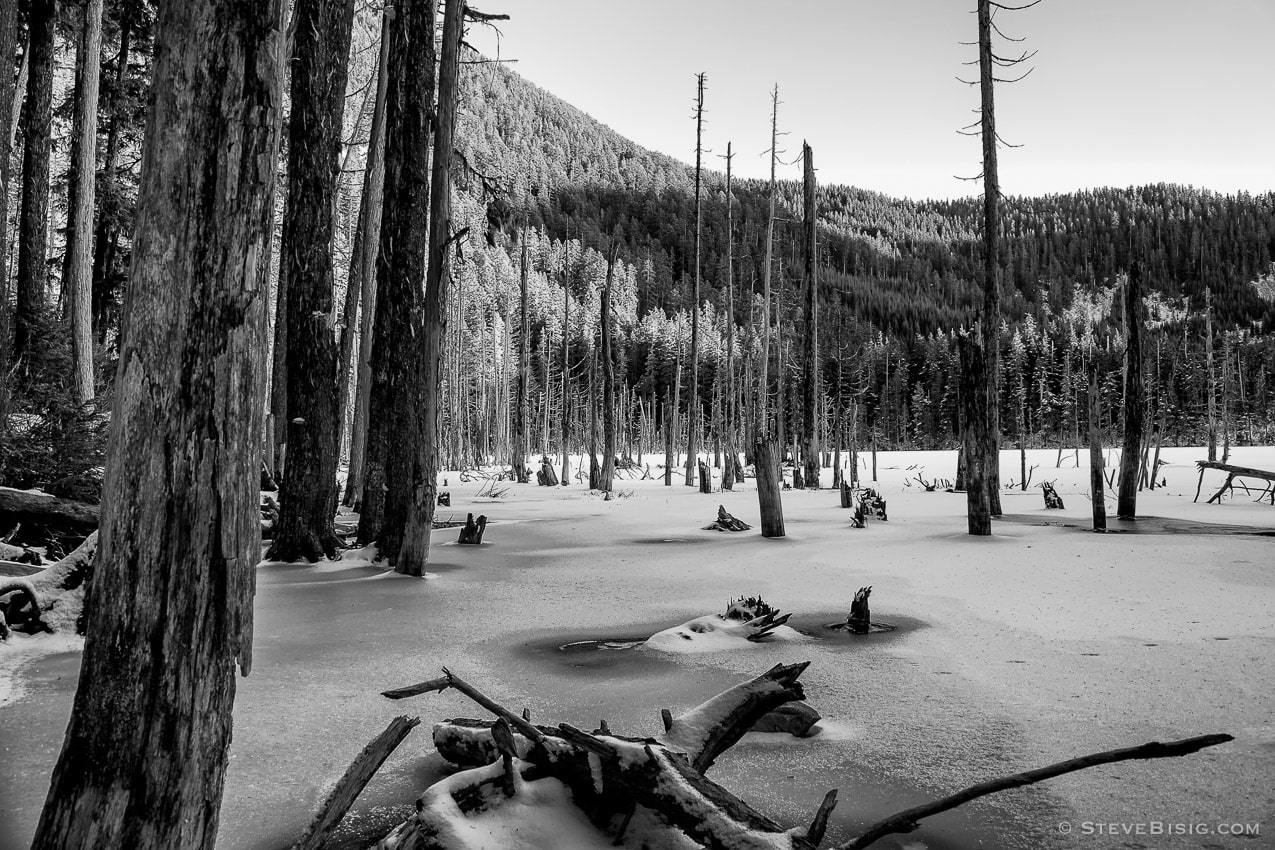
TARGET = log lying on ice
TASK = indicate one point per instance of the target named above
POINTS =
(710, 729)
(910, 819)
(726, 522)
(53, 599)
(356, 778)
(27, 508)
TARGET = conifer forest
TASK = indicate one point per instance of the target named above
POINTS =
(349, 380)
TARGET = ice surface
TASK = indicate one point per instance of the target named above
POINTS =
(1040, 643)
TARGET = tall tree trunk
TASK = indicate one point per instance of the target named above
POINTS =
(565, 412)
(973, 401)
(79, 280)
(307, 497)
(810, 420)
(984, 449)
(693, 429)
(33, 223)
(146, 749)
(608, 379)
(765, 452)
(731, 407)
(8, 47)
(363, 267)
(107, 232)
(1211, 373)
(424, 477)
(1135, 392)
(522, 413)
(1097, 486)
(396, 424)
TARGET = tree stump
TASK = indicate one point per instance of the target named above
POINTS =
(871, 502)
(798, 482)
(1052, 500)
(705, 478)
(546, 477)
(445, 499)
(860, 518)
(847, 494)
(473, 530)
(860, 619)
(726, 522)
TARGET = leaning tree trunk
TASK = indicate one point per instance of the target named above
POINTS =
(308, 490)
(363, 270)
(146, 749)
(1134, 397)
(424, 474)
(396, 432)
(33, 222)
(79, 280)
(810, 392)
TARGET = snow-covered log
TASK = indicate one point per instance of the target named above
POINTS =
(53, 599)
(27, 508)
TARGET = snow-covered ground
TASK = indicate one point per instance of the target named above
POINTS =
(1040, 643)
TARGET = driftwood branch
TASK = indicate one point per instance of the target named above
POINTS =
(909, 820)
(356, 778)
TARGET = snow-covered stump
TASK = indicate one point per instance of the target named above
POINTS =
(860, 619)
(52, 600)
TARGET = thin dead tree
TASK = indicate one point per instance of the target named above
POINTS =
(608, 376)
(308, 492)
(693, 428)
(811, 389)
(146, 750)
(765, 451)
(983, 424)
(522, 412)
(731, 406)
(8, 85)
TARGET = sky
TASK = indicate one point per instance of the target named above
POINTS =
(1123, 92)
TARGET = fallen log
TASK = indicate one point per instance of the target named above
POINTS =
(43, 517)
(19, 554)
(352, 783)
(53, 599)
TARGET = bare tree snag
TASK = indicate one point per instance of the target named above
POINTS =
(1097, 486)
(692, 404)
(705, 478)
(473, 530)
(1135, 395)
(145, 755)
(860, 619)
(8, 87)
(766, 469)
(974, 401)
(607, 473)
(811, 385)
(352, 783)
(522, 411)
(909, 820)
(1052, 500)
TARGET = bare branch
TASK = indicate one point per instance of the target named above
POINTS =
(1016, 79)
(1014, 8)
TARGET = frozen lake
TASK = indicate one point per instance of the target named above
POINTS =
(1039, 644)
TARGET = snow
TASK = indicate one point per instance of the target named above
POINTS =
(1040, 643)
(714, 634)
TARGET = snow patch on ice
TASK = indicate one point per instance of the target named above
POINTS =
(20, 650)
(714, 634)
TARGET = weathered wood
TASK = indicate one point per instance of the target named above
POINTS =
(355, 779)
(58, 592)
(819, 826)
(22, 506)
(766, 471)
(860, 619)
(705, 478)
(1234, 472)
(1097, 485)
(811, 391)
(1052, 500)
(909, 820)
(726, 522)
(847, 493)
(1135, 391)
(145, 755)
(473, 530)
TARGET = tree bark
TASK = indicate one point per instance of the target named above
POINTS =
(566, 422)
(363, 267)
(308, 490)
(424, 473)
(107, 231)
(522, 413)
(810, 392)
(768, 485)
(8, 47)
(1097, 486)
(1211, 374)
(1135, 392)
(37, 112)
(973, 406)
(146, 750)
(396, 425)
(79, 250)
(608, 380)
(693, 429)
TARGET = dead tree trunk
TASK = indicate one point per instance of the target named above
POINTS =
(608, 380)
(1097, 485)
(33, 222)
(362, 277)
(565, 412)
(522, 412)
(79, 250)
(308, 490)
(422, 486)
(1134, 396)
(1211, 373)
(396, 427)
(146, 749)
(974, 400)
(731, 417)
(810, 391)
(693, 430)
(769, 482)
(8, 47)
